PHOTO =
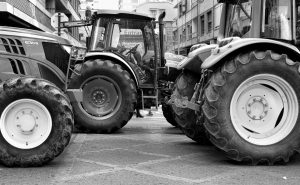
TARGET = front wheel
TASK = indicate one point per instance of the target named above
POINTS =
(36, 122)
(109, 96)
(252, 108)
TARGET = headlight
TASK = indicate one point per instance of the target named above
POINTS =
(67, 48)
(78, 53)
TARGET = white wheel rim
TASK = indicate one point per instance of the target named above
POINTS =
(264, 109)
(25, 123)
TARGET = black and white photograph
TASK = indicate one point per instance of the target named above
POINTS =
(149, 92)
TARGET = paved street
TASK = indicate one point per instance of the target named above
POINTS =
(146, 151)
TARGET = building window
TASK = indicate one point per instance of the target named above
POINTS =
(153, 13)
(189, 30)
(161, 11)
(182, 8)
(202, 23)
(183, 34)
(209, 22)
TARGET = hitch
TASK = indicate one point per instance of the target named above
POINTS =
(183, 102)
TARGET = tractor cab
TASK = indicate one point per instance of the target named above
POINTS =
(271, 19)
(128, 35)
(123, 32)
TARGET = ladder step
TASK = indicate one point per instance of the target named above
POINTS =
(149, 96)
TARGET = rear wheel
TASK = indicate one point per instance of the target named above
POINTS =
(252, 108)
(187, 118)
(109, 96)
(36, 122)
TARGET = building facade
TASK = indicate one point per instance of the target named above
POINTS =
(197, 21)
(131, 5)
(40, 15)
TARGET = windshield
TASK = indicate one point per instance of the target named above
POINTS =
(124, 35)
(238, 21)
(277, 20)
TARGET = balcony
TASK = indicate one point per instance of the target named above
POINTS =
(68, 7)
(25, 14)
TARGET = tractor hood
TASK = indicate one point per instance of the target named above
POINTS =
(172, 60)
(33, 34)
(195, 58)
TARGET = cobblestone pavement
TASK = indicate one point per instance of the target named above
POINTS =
(146, 151)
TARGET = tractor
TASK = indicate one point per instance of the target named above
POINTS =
(36, 120)
(243, 94)
(124, 69)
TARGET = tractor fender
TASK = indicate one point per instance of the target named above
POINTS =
(116, 58)
(235, 44)
(195, 58)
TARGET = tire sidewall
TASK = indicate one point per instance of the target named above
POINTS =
(55, 109)
(233, 80)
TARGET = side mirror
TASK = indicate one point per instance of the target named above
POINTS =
(88, 13)
(88, 41)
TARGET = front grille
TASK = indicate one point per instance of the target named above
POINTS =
(12, 45)
(17, 66)
(57, 55)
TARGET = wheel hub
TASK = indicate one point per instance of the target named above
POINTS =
(99, 97)
(257, 108)
(25, 123)
(264, 109)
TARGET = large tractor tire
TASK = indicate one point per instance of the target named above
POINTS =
(187, 118)
(109, 96)
(36, 122)
(168, 112)
(252, 108)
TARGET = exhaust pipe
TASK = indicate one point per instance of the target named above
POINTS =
(161, 38)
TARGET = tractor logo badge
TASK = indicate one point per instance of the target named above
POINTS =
(28, 42)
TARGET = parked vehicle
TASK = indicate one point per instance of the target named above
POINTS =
(247, 94)
(121, 70)
(36, 113)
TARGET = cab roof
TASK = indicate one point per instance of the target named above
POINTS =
(122, 14)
